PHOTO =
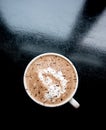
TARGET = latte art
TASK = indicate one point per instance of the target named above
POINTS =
(55, 89)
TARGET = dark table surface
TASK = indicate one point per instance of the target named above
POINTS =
(84, 44)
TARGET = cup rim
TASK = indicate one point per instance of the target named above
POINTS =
(51, 105)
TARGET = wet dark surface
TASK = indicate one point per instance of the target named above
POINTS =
(18, 48)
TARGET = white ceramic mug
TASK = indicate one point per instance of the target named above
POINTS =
(70, 99)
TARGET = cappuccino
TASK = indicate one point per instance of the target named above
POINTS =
(50, 79)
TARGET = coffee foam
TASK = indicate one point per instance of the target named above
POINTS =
(54, 89)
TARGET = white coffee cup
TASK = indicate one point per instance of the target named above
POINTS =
(70, 99)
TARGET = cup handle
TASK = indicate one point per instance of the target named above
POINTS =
(74, 103)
